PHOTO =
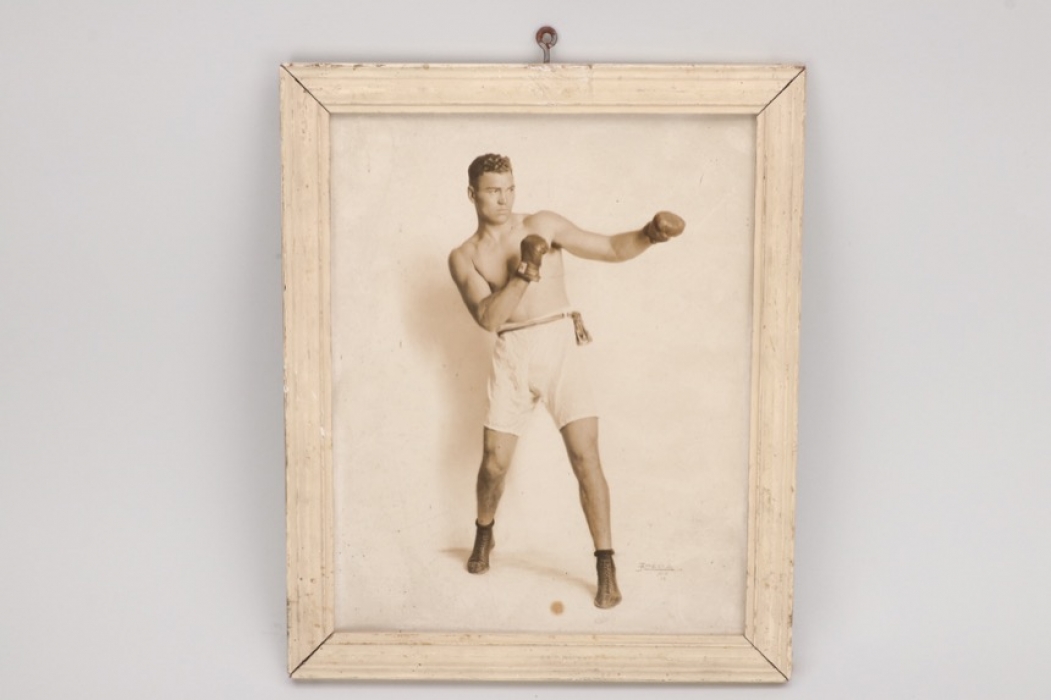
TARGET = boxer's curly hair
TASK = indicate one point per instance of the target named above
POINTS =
(488, 163)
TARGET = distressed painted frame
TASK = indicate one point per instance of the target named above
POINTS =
(310, 95)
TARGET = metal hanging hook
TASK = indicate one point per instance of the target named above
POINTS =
(546, 37)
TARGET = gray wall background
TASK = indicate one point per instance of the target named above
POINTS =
(141, 488)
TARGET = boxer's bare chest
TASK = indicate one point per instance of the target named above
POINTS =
(496, 259)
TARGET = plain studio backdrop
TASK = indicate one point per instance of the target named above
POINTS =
(141, 425)
(670, 363)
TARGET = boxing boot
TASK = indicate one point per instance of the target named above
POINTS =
(483, 544)
(608, 594)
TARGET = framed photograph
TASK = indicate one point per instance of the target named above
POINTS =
(541, 359)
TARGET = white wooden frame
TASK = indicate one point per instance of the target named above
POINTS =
(310, 94)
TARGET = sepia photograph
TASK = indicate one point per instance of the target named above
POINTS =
(541, 372)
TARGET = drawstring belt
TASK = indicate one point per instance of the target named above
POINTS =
(583, 337)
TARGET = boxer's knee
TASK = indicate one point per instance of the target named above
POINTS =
(583, 457)
(497, 451)
(582, 449)
(586, 464)
(495, 464)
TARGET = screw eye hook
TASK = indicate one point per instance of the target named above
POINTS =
(546, 37)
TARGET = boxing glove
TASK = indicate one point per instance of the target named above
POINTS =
(534, 248)
(664, 226)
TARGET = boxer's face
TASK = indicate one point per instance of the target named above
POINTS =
(493, 197)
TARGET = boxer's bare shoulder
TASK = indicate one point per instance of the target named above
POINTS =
(464, 253)
(461, 262)
(545, 224)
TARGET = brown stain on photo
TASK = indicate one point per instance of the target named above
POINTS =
(557, 607)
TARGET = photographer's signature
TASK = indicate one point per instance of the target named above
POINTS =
(662, 570)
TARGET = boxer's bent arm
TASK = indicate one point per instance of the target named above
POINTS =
(489, 309)
(585, 244)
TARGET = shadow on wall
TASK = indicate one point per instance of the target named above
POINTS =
(456, 353)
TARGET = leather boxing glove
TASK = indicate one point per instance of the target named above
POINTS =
(534, 248)
(664, 226)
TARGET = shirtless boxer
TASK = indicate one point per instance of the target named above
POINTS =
(510, 275)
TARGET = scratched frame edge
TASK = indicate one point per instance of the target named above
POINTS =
(309, 95)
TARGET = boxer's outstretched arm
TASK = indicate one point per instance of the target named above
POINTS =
(598, 246)
(489, 309)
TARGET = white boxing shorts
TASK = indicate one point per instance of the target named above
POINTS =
(539, 362)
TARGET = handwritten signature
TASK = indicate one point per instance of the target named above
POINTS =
(661, 568)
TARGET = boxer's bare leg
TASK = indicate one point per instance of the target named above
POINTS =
(581, 438)
(497, 450)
